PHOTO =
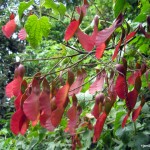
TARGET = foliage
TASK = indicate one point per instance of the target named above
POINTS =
(87, 90)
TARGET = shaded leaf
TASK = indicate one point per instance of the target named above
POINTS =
(99, 82)
(76, 86)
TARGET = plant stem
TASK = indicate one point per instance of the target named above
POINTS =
(134, 123)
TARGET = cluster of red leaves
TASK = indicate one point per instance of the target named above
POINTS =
(122, 88)
(10, 28)
(97, 38)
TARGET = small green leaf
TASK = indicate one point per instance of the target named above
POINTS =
(50, 4)
(57, 7)
(118, 8)
(36, 29)
(23, 6)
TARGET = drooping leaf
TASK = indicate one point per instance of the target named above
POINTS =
(99, 126)
(72, 112)
(44, 99)
(88, 41)
(116, 50)
(71, 29)
(121, 87)
(99, 82)
(100, 50)
(103, 35)
(130, 36)
(125, 120)
(138, 83)
(131, 99)
(22, 34)
(23, 6)
(56, 116)
(9, 28)
(61, 96)
(14, 87)
(36, 29)
(121, 69)
(17, 101)
(133, 76)
(76, 86)
(31, 104)
(70, 77)
(19, 122)
(136, 113)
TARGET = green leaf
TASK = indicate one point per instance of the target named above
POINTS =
(57, 7)
(36, 29)
(118, 8)
(23, 6)
(50, 4)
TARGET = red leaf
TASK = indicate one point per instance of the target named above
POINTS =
(136, 113)
(72, 113)
(88, 41)
(121, 69)
(131, 99)
(14, 87)
(117, 50)
(125, 120)
(98, 84)
(12, 16)
(44, 99)
(133, 76)
(22, 34)
(31, 104)
(56, 116)
(71, 29)
(61, 96)
(98, 105)
(9, 28)
(99, 126)
(18, 101)
(103, 35)
(100, 50)
(76, 86)
(121, 87)
(130, 35)
(19, 122)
